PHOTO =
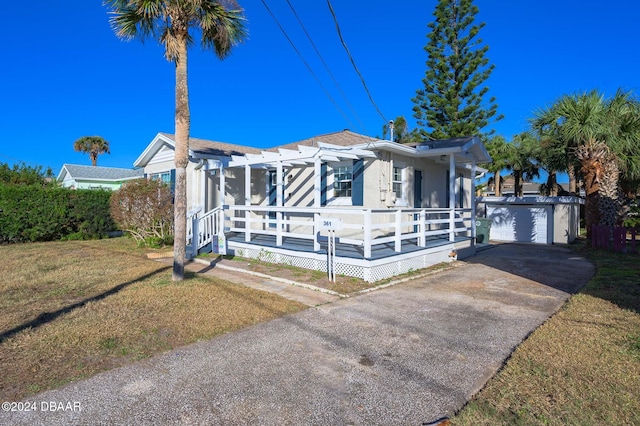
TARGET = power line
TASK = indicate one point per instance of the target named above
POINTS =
(306, 64)
(325, 65)
(335, 19)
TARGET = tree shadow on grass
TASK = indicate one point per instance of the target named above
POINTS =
(47, 317)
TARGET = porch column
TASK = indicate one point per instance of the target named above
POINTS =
(452, 197)
(317, 201)
(247, 202)
(203, 186)
(473, 201)
(279, 193)
(223, 195)
(317, 182)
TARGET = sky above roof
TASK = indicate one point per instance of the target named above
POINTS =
(66, 75)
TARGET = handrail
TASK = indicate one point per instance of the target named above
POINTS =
(205, 228)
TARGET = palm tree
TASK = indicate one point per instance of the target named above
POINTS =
(92, 145)
(498, 149)
(605, 137)
(221, 25)
(521, 159)
(556, 154)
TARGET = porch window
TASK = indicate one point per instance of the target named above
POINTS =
(342, 181)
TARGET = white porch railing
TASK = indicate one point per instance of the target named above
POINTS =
(366, 228)
(202, 229)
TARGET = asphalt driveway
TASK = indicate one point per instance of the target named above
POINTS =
(407, 354)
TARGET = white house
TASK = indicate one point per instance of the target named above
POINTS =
(390, 207)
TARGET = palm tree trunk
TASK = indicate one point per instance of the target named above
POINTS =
(183, 123)
(571, 171)
(552, 184)
(497, 184)
(590, 171)
(517, 186)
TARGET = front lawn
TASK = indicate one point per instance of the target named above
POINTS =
(71, 309)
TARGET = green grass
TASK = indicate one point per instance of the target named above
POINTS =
(71, 309)
(582, 366)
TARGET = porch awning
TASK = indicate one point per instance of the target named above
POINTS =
(304, 155)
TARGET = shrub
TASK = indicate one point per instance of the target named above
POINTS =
(22, 174)
(31, 213)
(144, 209)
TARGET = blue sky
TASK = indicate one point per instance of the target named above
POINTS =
(66, 75)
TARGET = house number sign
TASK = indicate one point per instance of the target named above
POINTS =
(330, 224)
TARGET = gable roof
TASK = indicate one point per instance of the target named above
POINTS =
(96, 173)
(197, 147)
(343, 138)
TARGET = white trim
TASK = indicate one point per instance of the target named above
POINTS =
(150, 151)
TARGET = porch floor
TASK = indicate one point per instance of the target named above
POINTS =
(344, 250)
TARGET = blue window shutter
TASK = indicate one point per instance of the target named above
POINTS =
(461, 190)
(447, 191)
(357, 184)
(272, 188)
(323, 184)
(173, 180)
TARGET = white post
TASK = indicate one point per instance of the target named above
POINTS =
(473, 201)
(452, 197)
(247, 202)
(398, 239)
(367, 233)
(203, 186)
(331, 255)
(422, 239)
(223, 195)
(279, 192)
(317, 183)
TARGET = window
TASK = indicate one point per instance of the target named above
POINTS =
(165, 177)
(342, 180)
(397, 182)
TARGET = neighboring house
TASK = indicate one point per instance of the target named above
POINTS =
(93, 177)
(391, 207)
(508, 187)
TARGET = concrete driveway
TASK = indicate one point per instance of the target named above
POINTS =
(407, 354)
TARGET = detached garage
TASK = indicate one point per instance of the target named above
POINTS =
(540, 220)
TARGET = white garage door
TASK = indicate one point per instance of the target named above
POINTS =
(518, 223)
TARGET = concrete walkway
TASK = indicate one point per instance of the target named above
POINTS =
(404, 355)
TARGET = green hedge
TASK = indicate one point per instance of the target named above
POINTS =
(33, 213)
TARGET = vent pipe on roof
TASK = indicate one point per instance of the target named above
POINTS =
(391, 127)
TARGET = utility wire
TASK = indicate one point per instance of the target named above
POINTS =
(306, 64)
(335, 19)
(326, 67)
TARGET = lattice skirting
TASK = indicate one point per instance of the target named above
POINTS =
(368, 270)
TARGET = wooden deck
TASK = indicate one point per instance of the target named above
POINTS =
(349, 251)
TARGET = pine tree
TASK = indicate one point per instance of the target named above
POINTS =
(451, 102)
